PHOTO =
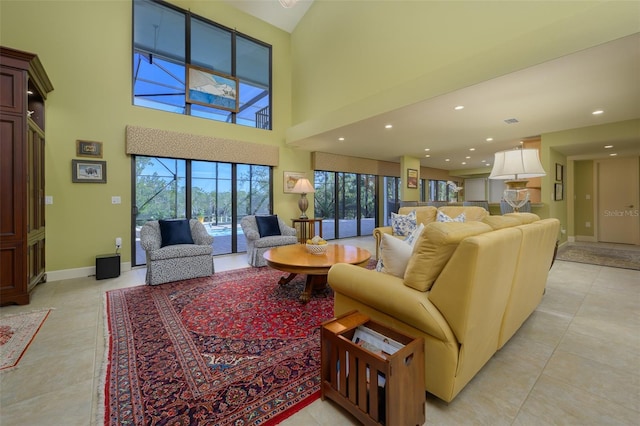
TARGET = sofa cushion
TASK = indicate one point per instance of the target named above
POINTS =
(175, 231)
(524, 218)
(403, 224)
(434, 248)
(498, 222)
(268, 225)
(424, 214)
(471, 213)
(442, 217)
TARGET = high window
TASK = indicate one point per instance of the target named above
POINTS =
(218, 194)
(167, 39)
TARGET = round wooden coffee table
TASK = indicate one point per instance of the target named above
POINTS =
(295, 259)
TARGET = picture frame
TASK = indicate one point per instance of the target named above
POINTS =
(88, 149)
(559, 172)
(88, 171)
(412, 178)
(289, 181)
(558, 193)
(211, 89)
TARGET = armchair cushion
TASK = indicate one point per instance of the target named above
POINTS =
(175, 232)
(268, 226)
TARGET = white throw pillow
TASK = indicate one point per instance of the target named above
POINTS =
(394, 255)
(442, 217)
(403, 224)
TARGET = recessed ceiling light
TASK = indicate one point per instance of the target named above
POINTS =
(459, 107)
(472, 149)
(464, 162)
(447, 159)
(341, 139)
(467, 157)
(428, 155)
(613, 154)
(483, 161)
(388, 126)
(427, 149)
(597, 112)
(489, 139)
(608, 146)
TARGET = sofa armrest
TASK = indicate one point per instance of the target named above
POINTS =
(389, 295)
(377, 234)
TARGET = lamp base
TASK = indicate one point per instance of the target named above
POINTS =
(303, 205)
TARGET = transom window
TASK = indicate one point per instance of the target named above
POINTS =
(167, 39)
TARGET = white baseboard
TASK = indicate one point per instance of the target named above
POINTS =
(587, 238)
(87, 271)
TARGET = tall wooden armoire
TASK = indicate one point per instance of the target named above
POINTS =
(23, 89)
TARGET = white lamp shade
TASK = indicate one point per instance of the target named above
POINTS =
(303, 186)
(517, 164)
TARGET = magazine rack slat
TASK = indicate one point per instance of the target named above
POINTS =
(400, 400)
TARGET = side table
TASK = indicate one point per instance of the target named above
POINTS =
(306, 228)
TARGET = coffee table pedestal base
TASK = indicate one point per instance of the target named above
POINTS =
(314, 282)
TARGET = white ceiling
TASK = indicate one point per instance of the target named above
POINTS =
(271, 11)
(557, 95)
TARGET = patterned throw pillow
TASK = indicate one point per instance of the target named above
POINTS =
(413, 237)
(403, 224)
(444, 218)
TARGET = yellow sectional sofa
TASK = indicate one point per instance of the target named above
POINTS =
(466, 290)
(428, 214)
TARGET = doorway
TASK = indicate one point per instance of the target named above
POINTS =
(617, 212)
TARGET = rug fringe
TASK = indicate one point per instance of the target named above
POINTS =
(293, 410)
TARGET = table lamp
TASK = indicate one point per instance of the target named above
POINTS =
(303, 187)
(516, 166)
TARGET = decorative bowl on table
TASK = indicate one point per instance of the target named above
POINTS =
(316, 245)
(317, 248)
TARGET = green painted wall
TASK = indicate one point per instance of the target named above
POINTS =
(583, 206)
(85, 47)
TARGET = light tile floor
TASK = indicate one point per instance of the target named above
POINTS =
(576, 361)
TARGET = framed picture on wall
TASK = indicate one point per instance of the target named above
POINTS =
(558, 192)
(212, 89)
(559, 172)
(88, 149)
(290, 180)
(88, 171)
(412, 178)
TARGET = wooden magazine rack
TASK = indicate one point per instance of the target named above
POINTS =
(398, 398)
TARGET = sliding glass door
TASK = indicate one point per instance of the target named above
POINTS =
(346, 202)
(218, 194)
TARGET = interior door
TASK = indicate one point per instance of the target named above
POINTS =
(618, 198)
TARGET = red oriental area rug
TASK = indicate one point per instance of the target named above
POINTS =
(232, 349)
